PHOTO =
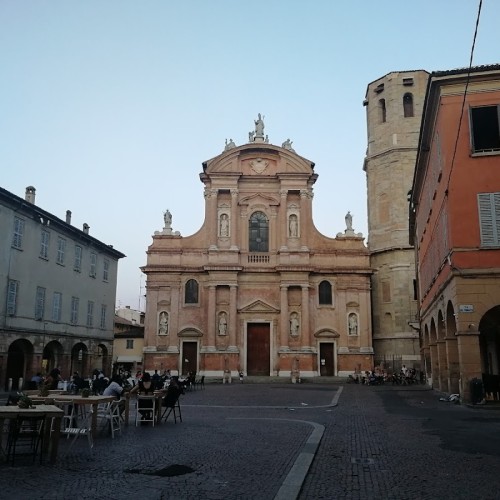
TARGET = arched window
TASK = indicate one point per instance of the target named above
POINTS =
(382, 111)
(258, 233)
(408, 105)
(325, 293)
(191, 292)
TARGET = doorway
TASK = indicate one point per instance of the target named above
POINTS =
(326, 359)
(189, 357)
(258, 349)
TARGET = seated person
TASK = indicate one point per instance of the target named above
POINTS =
(53, 379)
(174, 390)
(77, 383)
(115, 389)
(146, 387)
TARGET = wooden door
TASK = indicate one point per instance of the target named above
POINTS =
(258, 349)
(326, 360)
(189, 357)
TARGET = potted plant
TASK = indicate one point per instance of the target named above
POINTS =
(85, 393)
(25, 402)
(44, 390)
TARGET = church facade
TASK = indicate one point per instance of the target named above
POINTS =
(258, 289)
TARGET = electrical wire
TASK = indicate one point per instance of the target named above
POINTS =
(465, 95)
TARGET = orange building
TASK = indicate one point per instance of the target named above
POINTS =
(455, 227)
(258, 289)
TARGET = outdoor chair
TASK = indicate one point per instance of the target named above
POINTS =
(69, 418)
(172, 405)
(109, 413)
(25, 437)
(200, 382)
(84, 429)
(146, 405)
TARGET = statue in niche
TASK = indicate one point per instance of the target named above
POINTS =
(224, 225)
(353, 324)
(294, 324)
(293, 226)
(163, 324)
(222, 323)
(348, 221)
(259, 126)
(167, 217)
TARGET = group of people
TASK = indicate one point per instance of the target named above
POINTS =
(405, 376)
(119, 384)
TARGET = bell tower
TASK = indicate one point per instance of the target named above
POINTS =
(393, 112)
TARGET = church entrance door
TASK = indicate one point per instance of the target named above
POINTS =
(326, 359)
(258, 349)
(189, 357)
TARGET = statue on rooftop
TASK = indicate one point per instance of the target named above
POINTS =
(348, 221)
(288, 145)
(167, 217)
(259, 126)
(229, 145)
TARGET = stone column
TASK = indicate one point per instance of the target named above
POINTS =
(282, 220)
(233, 311)
(173, 321)
(443, 366)
(234, 219)
(211, 319)
(434, 365)
(453, 365)
(284, 318)
(426, 356)
(469, 355)
(211, 210)
(305, 327)
(305, 216)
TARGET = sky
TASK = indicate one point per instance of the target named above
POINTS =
(109, 107)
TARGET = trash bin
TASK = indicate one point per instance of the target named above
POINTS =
(476, 391)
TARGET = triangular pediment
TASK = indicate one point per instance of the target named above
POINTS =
(259, 198)
(260, 307)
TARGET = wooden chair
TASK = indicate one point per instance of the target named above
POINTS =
(25, 437)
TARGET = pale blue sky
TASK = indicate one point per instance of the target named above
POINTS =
(109, 107)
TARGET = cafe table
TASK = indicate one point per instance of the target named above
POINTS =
(51, 439)
(78, 400)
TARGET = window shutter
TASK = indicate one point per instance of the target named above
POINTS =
(489, 218)
(12, 298)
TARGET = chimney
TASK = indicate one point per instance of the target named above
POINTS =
(68, 216)
(30, 194)
(86, 228)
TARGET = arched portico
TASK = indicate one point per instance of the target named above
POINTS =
(19, 362)
(52, 356)
(80, 359)
(489, 342)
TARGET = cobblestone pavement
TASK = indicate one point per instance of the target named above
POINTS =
(388, 442)
(251, 441)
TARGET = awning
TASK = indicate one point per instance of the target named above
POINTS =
(129, 359)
